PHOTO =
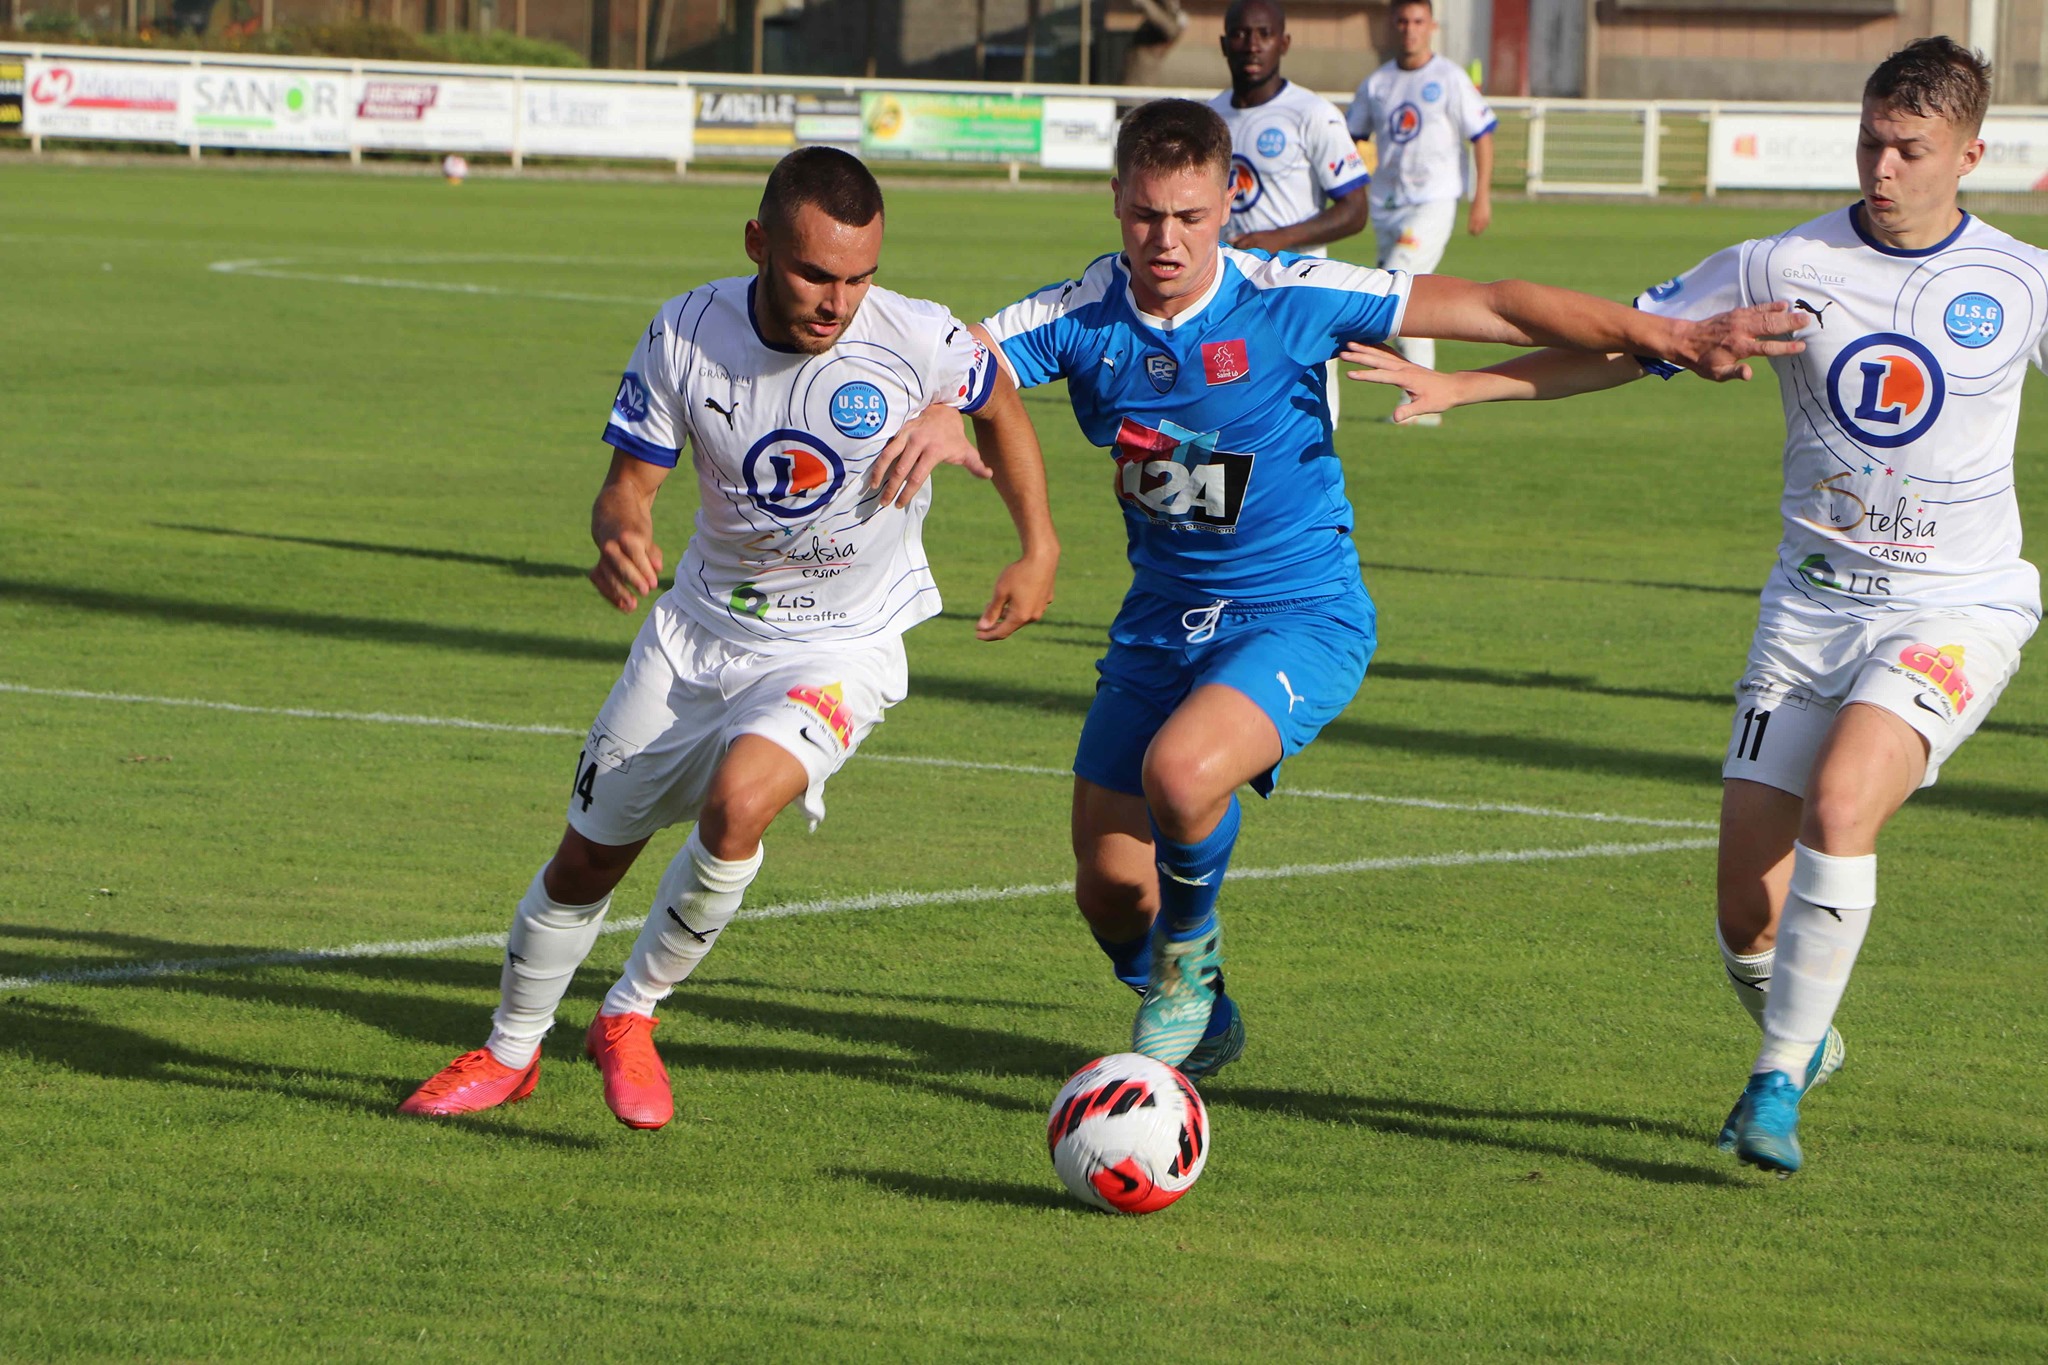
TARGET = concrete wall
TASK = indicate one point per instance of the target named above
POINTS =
(1756, 55)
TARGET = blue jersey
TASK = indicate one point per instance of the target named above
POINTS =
(1217, 419)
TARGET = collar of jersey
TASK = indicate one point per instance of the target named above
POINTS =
(1856, 222)
(1180, 320)
(1231, 97)
(754, 321)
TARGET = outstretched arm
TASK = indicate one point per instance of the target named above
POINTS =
(1536, 375)
(1345, 217)
(1520, 313)
(1009, 445)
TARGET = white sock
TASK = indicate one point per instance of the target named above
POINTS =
(698, 896)
(548, 943)
(1827, 912)
(1750, 976)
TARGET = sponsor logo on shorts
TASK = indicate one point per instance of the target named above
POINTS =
(608, 750)
(1974, 320)
(1941, 665)
(1272, 142)
(1225, 362)
(632, 400)
(828, 704)
(1886, 390)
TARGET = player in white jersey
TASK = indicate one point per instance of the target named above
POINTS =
(1899, 604)
(1422, 111)
(1296, 181)
(780, 646)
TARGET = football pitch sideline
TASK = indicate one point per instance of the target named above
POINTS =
(296, 652)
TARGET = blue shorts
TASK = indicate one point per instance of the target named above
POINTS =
(1300, 662)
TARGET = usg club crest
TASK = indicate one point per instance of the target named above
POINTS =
(1886, 390)
(1974, 320)
(1162, 370)
(1272, 142)
(859, 410)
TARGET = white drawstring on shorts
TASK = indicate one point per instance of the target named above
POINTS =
(1200, 622)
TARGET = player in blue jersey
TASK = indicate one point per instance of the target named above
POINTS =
(1247, 627)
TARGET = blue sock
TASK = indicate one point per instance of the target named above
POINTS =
(1191, 876)
(1132, 961)
(1220, 1017)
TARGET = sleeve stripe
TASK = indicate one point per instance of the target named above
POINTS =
(640, 448)
(1490, 126)
(979, 397)
(1403, 282)
(1357, 183)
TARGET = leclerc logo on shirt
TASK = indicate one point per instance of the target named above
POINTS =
(1886, 390)
(791, 474)
(1225, 362)
(1245, 187)
(1404, 123)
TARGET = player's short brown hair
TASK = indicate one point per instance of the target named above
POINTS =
(1400, 5)
(836, 182)
(1173, 135)
(1934, 78)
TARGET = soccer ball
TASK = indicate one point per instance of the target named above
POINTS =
(1128, 1134)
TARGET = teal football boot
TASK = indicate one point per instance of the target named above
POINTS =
(1219, 1049)
(1827, 1060)
(1180, 994)
(1767, 1124)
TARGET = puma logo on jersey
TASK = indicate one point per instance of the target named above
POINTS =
(726, 413)
(1802, 306)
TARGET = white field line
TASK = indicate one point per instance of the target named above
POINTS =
(270, 270)
(459, 723)
(881, 900)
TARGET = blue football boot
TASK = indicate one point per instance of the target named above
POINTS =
(1219, 1047)
(1827, 1060)
(1180, 994)
(1767, 1123)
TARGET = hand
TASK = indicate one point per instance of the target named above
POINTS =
(928, 440)
(628, 560)
(1259, 241)
(1424, 390)
(1716, 347)
(1480, 217)
(1023, 592)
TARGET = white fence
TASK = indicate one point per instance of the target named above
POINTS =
(202, 100)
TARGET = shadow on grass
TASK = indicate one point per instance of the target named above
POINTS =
(433, 1001)
(955, 1190)
(1458, 1124)
(519, 568)
(68, 1036)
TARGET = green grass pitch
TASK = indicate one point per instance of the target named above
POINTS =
(351, 474)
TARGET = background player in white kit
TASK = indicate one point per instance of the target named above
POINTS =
(1422, 111)
(1296, 181)
(780, 646)
(1899, 604)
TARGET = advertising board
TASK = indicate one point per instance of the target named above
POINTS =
(124, 101)
(435, 113)
(767, 122)
(249, 106)
(1080, 134)
(587, 118)
(1814, 151)
(906, 126)
(13, 85)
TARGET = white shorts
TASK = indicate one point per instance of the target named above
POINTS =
(1938, 669)
(686, 695)
(1414, 238)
